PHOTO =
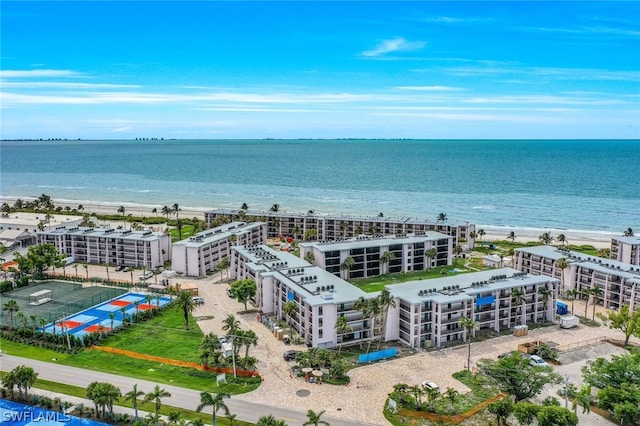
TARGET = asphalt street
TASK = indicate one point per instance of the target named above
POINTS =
(180, 397)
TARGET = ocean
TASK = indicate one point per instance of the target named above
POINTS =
(547, 184)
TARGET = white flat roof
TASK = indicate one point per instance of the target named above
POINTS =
(465, 286)
(628, 240)
(33, 219)
(218, 233)
(365, 242)
(105, 233)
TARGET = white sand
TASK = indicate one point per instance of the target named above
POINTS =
(597, 239)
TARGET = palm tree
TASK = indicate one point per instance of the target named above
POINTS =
(121, 209)
(418, 392)
(571, 295)
(511, 236)
(387, 257)
(343, 227)
(155, 211)
(545, 293)
(562, 239)
(442, 217)
(470, 326)
(216, 401)
(480, 234)
(209, 347)
(231, 325)
(586, 294)
(11, 306)
(75, 266)
(112, 316)
(23, 318)
(133, 396)
(347, 265)
(136, 303)
(269, 420)
(518, 298)
(34, 322)
(430, 254)
(244, 207)
(386, 302)
(452, 395)
(314, 418)
(249, 337)
(156, 397)
(106, 267)
(545, 238)
(342, 326)
(562, 264)
(274, 208)
(166, 211)
(628, 233)
(187, 305)
(431, 394)
(86, 269)
(290, 309)
(596, 295)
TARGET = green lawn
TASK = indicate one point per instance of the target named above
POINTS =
(378, 283)
(163, 335)
(187, 231)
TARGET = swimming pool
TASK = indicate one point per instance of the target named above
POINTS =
(16, 414)
(90, 320)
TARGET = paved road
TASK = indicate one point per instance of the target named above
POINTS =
(180, 397)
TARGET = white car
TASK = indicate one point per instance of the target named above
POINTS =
(430, 385)
(536, 361)
(145, 276)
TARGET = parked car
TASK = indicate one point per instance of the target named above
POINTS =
(198, 300)
(230, 293)
(290, 355)
(121, 268)
(146, 276)
(536, 361)
(430, 385)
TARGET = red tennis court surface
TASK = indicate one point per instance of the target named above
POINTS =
(145, 306)
(94, 328)
(120, 303)
(70, 324)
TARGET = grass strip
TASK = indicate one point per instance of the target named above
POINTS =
(165, 410)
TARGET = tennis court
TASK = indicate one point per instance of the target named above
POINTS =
(98, 317)
(65, 298)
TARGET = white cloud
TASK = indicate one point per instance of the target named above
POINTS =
(430, 88)
(37, 73)
(393, 45)
(122, 129)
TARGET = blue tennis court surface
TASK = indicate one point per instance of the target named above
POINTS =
(90, 320)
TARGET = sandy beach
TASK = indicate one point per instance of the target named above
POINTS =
(597, 239)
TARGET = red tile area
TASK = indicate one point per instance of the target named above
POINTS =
(70, 324)
(94, 328)
(145, 306)
(120, 303)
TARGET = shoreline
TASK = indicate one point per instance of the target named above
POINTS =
(598, 239)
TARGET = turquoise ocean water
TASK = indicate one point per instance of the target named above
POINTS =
(572, 185)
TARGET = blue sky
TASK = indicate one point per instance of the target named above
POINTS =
(484, 70)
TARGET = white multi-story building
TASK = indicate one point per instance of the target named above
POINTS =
(202, 252)
(426, 310)
(110, 246)
(311, 226)
(409, 253)
(619, 282)
(626, 250)
(320, 297)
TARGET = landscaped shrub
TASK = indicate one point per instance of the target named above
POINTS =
(6, 286)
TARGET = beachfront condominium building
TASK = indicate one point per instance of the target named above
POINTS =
(626, 249)
(618, 283)
(110, 246)
(377, 255)
(199, 254)
(311, 226)
(319, 296)
(426, 310)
